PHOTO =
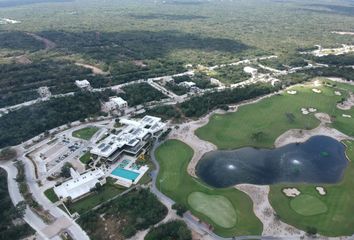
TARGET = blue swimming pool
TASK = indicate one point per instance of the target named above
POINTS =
(123, 173)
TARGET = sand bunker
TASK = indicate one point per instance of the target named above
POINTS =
(291, 192)
(337, 93)
(304, 111)
(291, 92)
(346, 116)
(315, 90)
(321, 191)
(347, 104)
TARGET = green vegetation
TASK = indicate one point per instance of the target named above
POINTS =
(231, 74)
(27, 122)
(105, 193)
(86, 158)
(308, 205)
(85, 133)
(273, 116)
(9, 212)
(123, 216)
(173, 230)
(140, 93)
(218, 208)
(50, 194)
(200, 105)
(7, 154)
(336, 221)
(174, 181)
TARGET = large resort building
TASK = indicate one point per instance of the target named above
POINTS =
(131, 140)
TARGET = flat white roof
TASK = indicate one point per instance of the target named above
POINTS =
(79, 185)
(117, 100)
(131, 135)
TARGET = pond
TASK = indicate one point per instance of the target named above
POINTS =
(320, 159)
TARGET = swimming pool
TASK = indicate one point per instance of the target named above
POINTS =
(123, 173)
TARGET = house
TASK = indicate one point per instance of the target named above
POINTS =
(115, 103)
(83, 84)
(79, 185)
(250, 70)
(187, 84)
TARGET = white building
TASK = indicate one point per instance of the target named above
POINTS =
(250, 70)
(79, 185)
(187, 84)
(131, 139)
(84, 84)
(115, 103)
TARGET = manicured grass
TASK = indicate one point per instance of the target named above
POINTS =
(338, 220)
(174, 181)
(50, 194)
(218, 208)
(108, 191)
(269, 116)
(308, 205)
(86, 158)
(85, 133)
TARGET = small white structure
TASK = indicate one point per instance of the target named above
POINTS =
(79, 185)
(291, 92)
(187, 84)
(116, 103)
(84, 84)
(250, 70)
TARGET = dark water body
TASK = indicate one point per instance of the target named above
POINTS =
(321, 159)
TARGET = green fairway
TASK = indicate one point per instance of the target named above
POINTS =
(261, 123)
(308, 205)
(338, 220)
(218, 208)
(85, 133)
(174, 181)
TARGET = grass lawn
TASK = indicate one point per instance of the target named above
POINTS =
(270, 117)
(338, 220)
(85, 133)
(173, 180)
(218, 208)
(50, 194)
(86, 158)
(108, 191)
(308, 205)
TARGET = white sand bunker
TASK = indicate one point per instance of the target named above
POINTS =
(306, 111)
(291, 92)
(315, 90)
(346, 116)
(291, 192)
(321, 191)
(337, 93)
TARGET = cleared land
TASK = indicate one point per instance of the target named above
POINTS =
(261, 123)
(85, 133)
(337, 220)
(174, 181)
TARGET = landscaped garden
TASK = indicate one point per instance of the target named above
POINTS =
(85, 133)
(228, 211)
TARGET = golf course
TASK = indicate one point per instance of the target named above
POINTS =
(259, 124)
(228, 211)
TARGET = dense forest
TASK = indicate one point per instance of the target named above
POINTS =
(27, 122)
(137, 210)
(200, 105)
(140, 93)
(8, 213)
(173, 230)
